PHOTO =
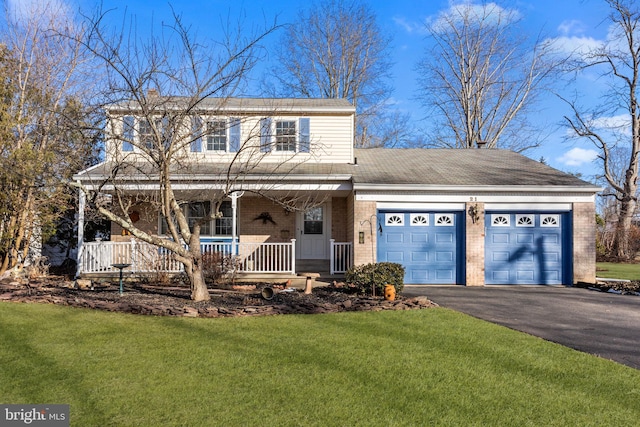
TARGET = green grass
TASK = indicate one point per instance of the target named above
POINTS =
(613, 270)
(425, 367)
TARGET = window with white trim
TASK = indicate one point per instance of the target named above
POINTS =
(195, 211)
(419, 220)
(217, 135)
(224, 224)
(394, 219)
(525, 220)
(500, 220)
(286, 135)
(443, 220)
(549, 220)
(145, 134)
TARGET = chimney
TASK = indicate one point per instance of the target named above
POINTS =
(152, 92)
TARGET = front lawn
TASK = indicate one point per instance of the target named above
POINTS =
(423, 367)
(616, 270)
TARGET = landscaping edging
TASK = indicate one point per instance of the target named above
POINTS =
(158, 301)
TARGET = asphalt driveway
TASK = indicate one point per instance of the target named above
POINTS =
(603, 324)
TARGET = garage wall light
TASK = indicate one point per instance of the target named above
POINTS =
(361, 237)
(473, 213)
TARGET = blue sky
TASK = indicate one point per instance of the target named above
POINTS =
(574, 23)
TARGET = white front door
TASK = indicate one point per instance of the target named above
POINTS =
(312, 233)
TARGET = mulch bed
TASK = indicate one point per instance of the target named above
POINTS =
(175, 300)
(614, 286)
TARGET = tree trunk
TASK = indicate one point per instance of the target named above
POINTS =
(199, 291)
(623, 228)
(195, 273)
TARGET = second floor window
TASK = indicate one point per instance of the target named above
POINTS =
(286, 136)
(145, 133)
(216, 135)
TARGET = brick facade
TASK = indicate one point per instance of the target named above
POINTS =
(147, 220)
(350, 217)
(584, 243)
(474, 246)
(339, 220)
(253, 230)
(365, 221)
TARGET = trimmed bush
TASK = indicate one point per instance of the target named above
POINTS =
(366, 277)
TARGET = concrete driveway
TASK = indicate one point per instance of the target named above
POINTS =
(603, 324)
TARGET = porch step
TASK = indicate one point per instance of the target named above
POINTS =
(296, 280)
(317, 265)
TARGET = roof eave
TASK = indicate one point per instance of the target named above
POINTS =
(478, 188)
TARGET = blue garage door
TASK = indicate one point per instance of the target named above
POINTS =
(427, 244)
(526, 248)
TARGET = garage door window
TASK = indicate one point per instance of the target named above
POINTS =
(444, 220)
(394, 220)
(525, 220)
(419, 220)
(550, 221)
(500, 220)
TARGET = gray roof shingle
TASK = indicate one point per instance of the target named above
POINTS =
(455, 167)
(280, 105)
(396, 167)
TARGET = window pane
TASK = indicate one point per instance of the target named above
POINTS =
(217, 135)
(146, 134)
(286, 136)
(313, 221)
(224, 225)
(197, 211)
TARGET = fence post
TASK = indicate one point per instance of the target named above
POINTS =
(133, 255)
(293, 256)
(332, 256)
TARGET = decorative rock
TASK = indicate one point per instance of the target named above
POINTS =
(422, 301)
(83, 284)
(190, 312)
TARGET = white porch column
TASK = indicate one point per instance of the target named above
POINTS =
(80, 256)
(234, 224)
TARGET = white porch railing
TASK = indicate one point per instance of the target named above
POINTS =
(99, 257)
(341, 256)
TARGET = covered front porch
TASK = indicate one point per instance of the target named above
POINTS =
(297, 224)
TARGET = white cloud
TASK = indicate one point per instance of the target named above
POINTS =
(54, 11)
(572, 26)
(409, 27)
(620, 123)
(461, 11)
(576, 45)
(578, 157)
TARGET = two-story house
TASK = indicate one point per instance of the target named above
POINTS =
(470, 217)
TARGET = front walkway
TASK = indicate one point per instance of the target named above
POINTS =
(603, 324)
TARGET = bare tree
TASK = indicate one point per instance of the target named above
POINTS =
(337, 50)
(480, 76)
(198, 79)
(39, 67)
(614, 126)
